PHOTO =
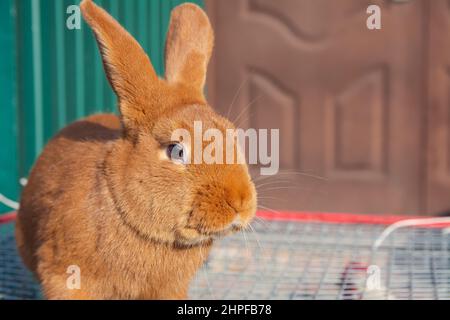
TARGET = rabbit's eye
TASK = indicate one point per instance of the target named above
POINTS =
(176, 153)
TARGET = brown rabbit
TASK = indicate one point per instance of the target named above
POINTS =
(112, 195)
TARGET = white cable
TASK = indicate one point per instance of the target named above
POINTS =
(23, 182)
(407, 223)
(8, 202)
(11, 203)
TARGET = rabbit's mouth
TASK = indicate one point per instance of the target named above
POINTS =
(194, 236)
(225, 232)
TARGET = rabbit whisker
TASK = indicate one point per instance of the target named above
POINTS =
(271, 182)
(261, 221)
(243, 120)
(269, 209)
(286, 172)
(284, 187)
(256, 237)
(205, 273)
(246, 108)
(235, 97)
(246, 243)
(292, 187)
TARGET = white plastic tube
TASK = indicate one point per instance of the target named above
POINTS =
(407, 223)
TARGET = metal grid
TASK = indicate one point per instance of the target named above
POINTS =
(290, 260)
(15, 281)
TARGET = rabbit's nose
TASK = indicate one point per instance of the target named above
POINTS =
(239, 198)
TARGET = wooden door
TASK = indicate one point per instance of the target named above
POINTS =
(347, 100)
(438, 174)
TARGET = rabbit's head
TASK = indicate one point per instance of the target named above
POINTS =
(161, 193)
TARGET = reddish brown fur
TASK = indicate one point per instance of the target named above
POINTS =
(101, 197)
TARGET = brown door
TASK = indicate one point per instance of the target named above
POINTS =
(348, 101)
(438, 191)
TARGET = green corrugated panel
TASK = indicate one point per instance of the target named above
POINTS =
(57, 74)
(8, 119)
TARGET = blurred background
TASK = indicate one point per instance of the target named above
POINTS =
(364, 115)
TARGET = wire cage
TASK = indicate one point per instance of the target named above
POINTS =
(293, 259)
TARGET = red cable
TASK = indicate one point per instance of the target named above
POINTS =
(340, 218)
(8, 217)
(326, 217)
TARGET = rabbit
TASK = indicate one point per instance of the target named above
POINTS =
(109, 197)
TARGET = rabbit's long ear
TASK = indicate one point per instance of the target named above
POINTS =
(127, 67)
(189, 45)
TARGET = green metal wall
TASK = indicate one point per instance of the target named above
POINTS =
(50, 75)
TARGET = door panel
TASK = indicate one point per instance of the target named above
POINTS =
(347, 100)
(438, 191)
